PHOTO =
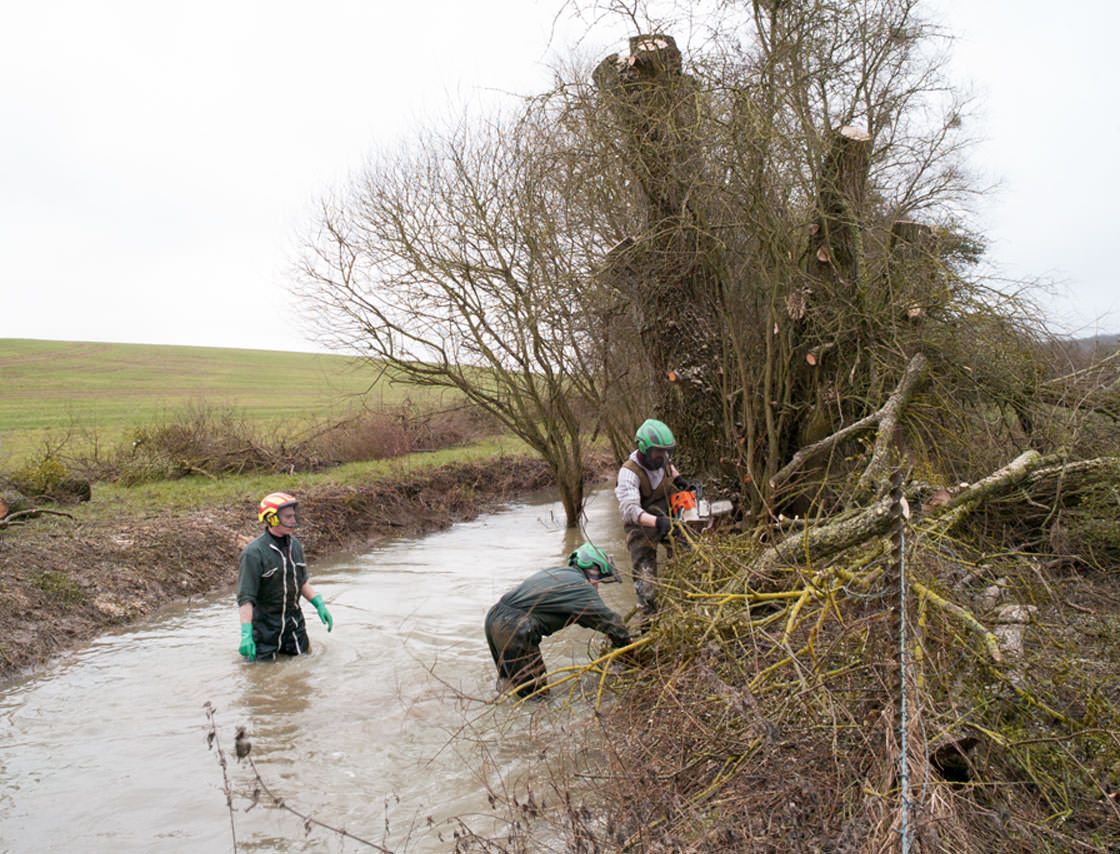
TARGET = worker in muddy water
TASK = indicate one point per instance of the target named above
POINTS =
(645, 483)
(543, 604)
(271, 579)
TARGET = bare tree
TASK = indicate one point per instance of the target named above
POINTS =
(751, 242)
(461, 265)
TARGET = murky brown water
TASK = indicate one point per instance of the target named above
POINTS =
(375, 731)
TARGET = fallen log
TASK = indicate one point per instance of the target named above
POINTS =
(822, 541)
(30, 513)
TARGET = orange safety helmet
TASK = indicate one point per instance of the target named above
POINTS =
(271, 505)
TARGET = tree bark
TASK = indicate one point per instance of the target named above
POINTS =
(834, 261)
(966, 499)
(874, 477)
(820, 542)
(911, 239)
(669, 271)
(837, 248)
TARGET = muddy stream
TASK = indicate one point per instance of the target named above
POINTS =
(385, 729)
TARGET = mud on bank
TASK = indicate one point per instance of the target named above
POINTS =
(62, 582)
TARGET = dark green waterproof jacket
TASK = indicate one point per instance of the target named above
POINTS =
(554, 598)
(271, 573)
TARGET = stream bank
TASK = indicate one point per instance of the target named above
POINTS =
(63, 581)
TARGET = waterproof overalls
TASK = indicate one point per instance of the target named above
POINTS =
(543, 604)
(641, 542)
(271, 574)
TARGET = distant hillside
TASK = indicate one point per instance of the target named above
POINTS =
(81, 386)
(1097, 344)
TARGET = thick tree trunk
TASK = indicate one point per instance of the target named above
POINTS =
(915, 271)
(911, 239)
(668, 272)
(837, 249)
(834, 262)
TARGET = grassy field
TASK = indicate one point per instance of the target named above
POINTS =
(57, 387)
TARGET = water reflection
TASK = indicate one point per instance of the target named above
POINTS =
(376, 731)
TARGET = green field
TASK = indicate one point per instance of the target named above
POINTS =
(54, 387)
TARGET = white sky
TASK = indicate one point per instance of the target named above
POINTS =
(159, 164)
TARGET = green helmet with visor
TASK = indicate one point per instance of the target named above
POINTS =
(655, 434)
(590, 557)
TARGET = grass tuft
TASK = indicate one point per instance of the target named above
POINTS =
(60, 587)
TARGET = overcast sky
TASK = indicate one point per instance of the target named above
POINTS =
(159, 163)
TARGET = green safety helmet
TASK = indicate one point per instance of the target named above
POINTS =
(654, 434)
(589, 556)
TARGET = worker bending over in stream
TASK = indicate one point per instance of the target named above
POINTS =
(271, 578)
(543, 604)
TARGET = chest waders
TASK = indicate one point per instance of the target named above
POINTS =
(515, 646)
(642, 542)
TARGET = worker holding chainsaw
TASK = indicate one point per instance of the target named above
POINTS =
(272, 577)
(646, 483)
(543, 604)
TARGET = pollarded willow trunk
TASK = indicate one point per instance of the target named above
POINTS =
(835, 268)
(668, 272)
(842, 187)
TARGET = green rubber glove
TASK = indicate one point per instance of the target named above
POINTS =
(324, 614)
(248, 646)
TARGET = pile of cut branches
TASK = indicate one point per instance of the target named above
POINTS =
(942, 674)
(765, 710)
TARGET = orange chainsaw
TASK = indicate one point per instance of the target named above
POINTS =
(689, 508)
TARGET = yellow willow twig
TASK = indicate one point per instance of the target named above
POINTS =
(819, 583)
(1034, 701)
(725, 772)
(814, 590)
(718, 598)
(791, 618)
(820, 622)
(837, 671)
(601, 686)
(713, 622)
(576, 670)
(965, 616)
(849, 577)
(762, 622)
(775, 596)
(753, 597)
(762, 674)
(919, 650)
(835, 605)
